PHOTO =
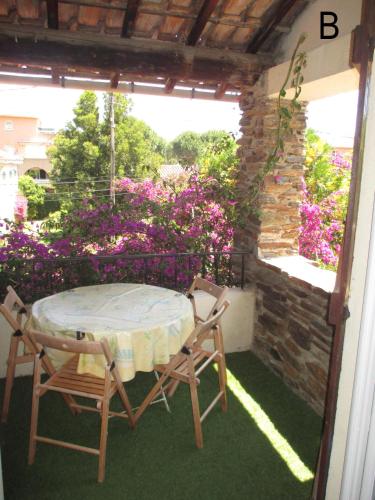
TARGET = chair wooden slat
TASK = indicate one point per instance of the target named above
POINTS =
(66, 380)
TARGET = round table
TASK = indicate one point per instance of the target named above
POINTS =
(143, 324)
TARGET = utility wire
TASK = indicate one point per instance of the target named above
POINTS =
(58, 183)
(62, 193)
(90, 179)
(84, 197)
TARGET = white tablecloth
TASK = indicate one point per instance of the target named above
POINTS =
(143, 324)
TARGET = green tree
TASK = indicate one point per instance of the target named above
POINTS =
(35, 197)
(187, 148)
(80, 155)
(325, 174)
(218, 159)
(77, 154)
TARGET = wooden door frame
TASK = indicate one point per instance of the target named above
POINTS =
(361, 58)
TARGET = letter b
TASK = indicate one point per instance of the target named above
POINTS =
(332, 23)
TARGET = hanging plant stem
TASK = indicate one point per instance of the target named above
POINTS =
(285, 112)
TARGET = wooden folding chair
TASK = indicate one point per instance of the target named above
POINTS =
(12, 302)
(188, 364)
(19, 338)
(68, 381)
(209, 288)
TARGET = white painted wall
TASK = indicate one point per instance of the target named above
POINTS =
(356, 300)
(327, 72)
(349, 15)
(238, 324)
(238, 319)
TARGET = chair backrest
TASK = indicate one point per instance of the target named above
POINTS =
(13, 302)
(12, 299)
(206, 326)
(71, 345)
(206, 286)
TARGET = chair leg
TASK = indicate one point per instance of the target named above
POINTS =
(196, 414)
(34, 413)
(222, 370)
(173, 388)
(103, 440)
(195, 404)
(125, 401)
(11, 369)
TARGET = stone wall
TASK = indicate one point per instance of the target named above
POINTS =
(275, 232)
(291, 334)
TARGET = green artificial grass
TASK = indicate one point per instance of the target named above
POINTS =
(159, 460)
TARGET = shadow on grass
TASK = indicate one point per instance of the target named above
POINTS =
(159, 459)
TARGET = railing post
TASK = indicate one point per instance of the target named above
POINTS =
(242, 271)
(204, 271)
(144, 269)
(216, 268)
(175, 271)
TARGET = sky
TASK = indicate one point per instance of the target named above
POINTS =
(333, 117)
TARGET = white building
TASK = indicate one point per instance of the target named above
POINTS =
(9, 165)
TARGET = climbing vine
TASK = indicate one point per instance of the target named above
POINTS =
(285, 112)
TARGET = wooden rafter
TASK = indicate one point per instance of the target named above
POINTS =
(55, 75)
(221, 89)
(53, 14)
(156, 10)
(263, 33)
(169, 85)
(204, 14)
(129, 18)
(115, 80)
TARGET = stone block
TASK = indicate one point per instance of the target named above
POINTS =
(300, 334)
(276, 307)
(270, 322)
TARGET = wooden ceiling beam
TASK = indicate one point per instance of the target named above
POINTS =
(129, 18)
(106, 55)
(200, 23)
(264, 32)
(53, 14)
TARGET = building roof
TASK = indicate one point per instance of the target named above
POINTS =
(206, 45)
(166, 171)
(15, 114)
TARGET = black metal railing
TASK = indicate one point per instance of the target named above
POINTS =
(37, 278)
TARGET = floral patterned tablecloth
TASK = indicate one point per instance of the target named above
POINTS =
(143, 324)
